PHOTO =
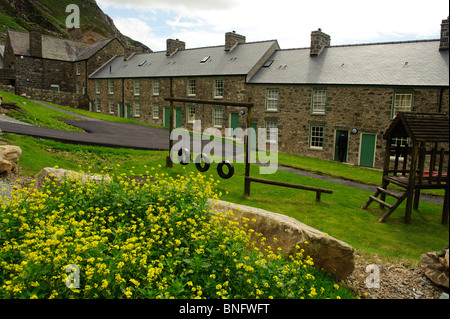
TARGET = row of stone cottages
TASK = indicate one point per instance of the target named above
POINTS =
(312, 95)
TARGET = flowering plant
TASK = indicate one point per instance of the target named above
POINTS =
(153, 238)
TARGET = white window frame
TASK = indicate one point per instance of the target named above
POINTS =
(218, 117)
(319, 101)
(79, 88)
(111, 86)
(111, 106)
(98, 87)
(155, 87)
(78, 68)
(403, 102)
(316, 133)
(191, 87)
(219, 88)
(155, 110)
(272, 100)
(137, 108)
(98, 105)
(136, 87)
(190, 113)
(269, 137)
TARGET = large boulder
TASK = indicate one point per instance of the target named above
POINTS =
(52, 173)
(328, 253)
(435, 266)
(9, 157)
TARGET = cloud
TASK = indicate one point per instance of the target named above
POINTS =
(203, 23)
(172, 4)
(139, 30)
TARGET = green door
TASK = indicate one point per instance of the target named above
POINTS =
(167, 117)
(128, 111)
(120, 110)
(234, 122)
(336, 150)
(178, 118)
(367, 150)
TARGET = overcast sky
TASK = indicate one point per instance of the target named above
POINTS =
(204, 22)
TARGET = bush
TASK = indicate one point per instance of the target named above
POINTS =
(152, 239)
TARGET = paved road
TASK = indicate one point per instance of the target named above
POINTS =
(136, 136)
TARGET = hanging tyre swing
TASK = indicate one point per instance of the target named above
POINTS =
(184, 158)
(230, 169)
(198, 163)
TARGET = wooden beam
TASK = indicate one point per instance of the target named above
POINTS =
(211, 102)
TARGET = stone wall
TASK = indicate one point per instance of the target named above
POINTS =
(61, 98)
(365, 108)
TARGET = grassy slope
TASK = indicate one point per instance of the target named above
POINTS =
(338, 214)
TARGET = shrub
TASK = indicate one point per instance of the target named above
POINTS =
(150, 239)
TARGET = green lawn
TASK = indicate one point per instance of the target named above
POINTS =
(338, 214)
(37, 114)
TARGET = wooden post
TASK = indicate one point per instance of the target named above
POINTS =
(412, 181)
(387, 160)
(169, 162)
(247, 143)
(422, 156)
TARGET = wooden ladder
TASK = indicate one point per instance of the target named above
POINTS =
(381, 190)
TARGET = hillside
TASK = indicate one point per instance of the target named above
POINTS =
(50, 16)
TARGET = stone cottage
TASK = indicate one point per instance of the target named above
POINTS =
(312, 95)
(35, 64)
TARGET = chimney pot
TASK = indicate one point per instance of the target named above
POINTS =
(232, 39)
(319, 41)
(444, 44)
(35, 38)
(173, 46)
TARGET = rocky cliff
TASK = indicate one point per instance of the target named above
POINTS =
(50, 16)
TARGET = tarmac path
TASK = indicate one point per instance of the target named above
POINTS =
(130, 135)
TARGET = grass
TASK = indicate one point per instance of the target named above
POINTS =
(338, 214)
(102, 116)
(37, 114)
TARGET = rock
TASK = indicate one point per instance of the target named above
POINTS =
(328, 253)
(435, 266)
(59, 173)
(9, 157)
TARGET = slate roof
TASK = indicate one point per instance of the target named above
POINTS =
(240, 61)
(414, 63)
(55, 48)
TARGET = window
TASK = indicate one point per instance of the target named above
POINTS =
(111, 86)
(190, 113)
(155, 87)
(402, 102)
(98, 105)
(218, 117)
(78, 87)
(316, 137)
(97, 87)
(137, 87)
(319, 101)
(191, 87)
(271, 137)
(54, 87)
(111, 106)
(218, 88)
(155, 110)
(268, 63)
(78, 68)
(272, 99)
(206, 58)
(137, 108)
(398, 141)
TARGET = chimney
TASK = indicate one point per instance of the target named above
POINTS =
(444, 35)
(232, 39)
(35, 36)
(319, 41)
(173, 46)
